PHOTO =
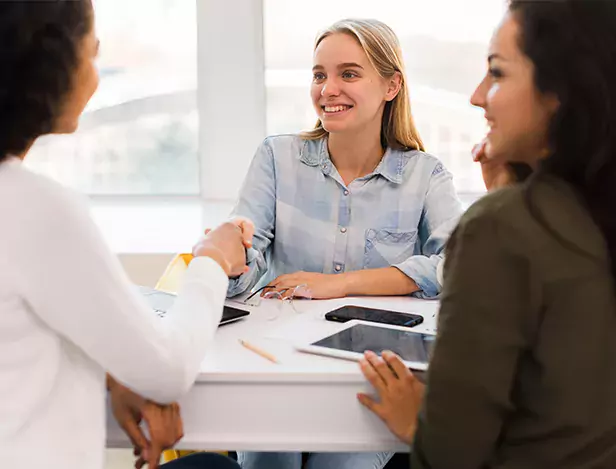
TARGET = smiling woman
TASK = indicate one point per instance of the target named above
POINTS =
(378, 61)
(526, 263)
(355, 206)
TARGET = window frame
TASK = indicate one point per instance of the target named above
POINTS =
(231, 81)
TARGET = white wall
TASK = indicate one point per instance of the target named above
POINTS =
(231, 74)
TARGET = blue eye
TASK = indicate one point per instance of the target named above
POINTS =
(318, 76)
(349, 74)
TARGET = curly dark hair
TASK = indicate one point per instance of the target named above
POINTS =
(39, 51)
(572, 44)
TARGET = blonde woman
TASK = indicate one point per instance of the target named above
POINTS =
(353, 207)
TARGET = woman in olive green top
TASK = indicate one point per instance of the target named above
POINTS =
(524, 369)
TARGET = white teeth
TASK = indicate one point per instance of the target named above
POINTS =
(336, 108)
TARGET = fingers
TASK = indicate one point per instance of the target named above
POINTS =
(280, 292)
(277, 281)
(166, 429)
(141, 462)
(382, 368)
(479, 151)
(278, 285)
(179, 423)
(236, 273)
(154, 455)
(371, 405)
(396, 364)
(176, 429)
(134, 432)
(373, 376)
(248, 229)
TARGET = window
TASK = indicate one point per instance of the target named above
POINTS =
(149, 133)
(444, 43)
(139, 134)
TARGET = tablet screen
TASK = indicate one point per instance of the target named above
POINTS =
(410, 346)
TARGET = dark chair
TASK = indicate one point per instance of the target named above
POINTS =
(202, 461)
(399, 461)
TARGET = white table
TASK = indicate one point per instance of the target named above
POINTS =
(304, 403)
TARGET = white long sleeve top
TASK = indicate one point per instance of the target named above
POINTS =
(68, 314)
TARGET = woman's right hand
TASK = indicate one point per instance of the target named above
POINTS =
(227, 245)
(400, 393)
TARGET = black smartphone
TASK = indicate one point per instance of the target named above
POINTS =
(346, 313)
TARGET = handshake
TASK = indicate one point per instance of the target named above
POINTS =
(227, 245)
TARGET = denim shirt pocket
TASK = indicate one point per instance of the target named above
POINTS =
(387, 247)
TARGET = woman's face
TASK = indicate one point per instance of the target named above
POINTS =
(348, 94)
(85, 83)
(518, 115)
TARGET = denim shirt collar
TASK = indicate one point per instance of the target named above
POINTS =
(391, 167)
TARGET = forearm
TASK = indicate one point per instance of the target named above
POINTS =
(388, 281)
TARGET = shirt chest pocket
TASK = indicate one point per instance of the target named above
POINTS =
(387, 247)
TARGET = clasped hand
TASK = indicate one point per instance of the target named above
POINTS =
(227, 245)
(164, 424)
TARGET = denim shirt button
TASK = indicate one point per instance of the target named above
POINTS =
(346, 192)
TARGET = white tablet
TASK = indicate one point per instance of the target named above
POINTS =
(357, 337)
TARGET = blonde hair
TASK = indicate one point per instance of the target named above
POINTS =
(382, 47)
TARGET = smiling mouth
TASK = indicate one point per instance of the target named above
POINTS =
(332, 110)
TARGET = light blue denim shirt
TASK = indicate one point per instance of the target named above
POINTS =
(308, 219)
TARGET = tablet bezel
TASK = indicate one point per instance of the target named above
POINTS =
(356, 356)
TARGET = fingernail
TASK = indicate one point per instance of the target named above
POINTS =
(387, 353)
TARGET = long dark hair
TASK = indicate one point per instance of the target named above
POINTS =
(39, 51)
(572, 44)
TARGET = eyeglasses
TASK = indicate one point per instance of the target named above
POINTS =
(284, 297)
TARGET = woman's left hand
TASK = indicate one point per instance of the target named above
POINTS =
(311, 285)
(400, 393)
(496, 174)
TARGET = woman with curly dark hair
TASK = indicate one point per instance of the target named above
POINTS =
(524, 369)
(68, 314)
